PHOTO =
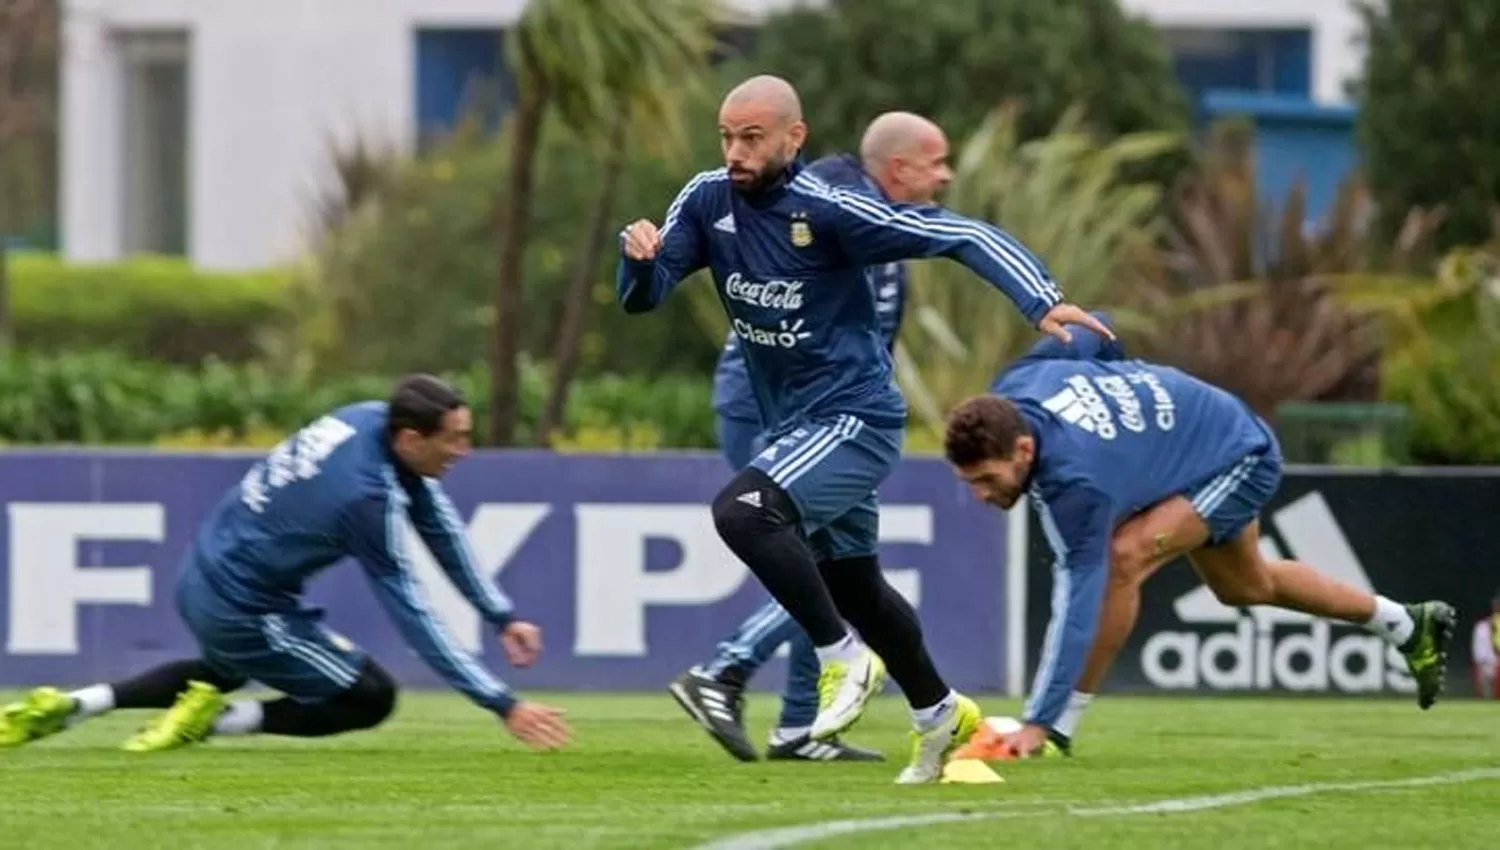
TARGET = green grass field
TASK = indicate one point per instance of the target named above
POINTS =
(441, 774)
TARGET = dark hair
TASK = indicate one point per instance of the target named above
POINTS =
(420, 402)
(981, 428)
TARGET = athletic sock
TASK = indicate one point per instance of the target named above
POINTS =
(1391, 621)
(92, 702)
(1078, 702)
(925, 719)
(242, 717)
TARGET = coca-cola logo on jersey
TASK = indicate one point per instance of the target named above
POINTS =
(770, 294)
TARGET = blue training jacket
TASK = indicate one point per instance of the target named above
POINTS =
(335, 489)
(1114, 436)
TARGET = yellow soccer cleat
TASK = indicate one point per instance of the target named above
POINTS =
(44, 712)
(188, 721)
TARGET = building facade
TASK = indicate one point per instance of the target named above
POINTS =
(204, 127)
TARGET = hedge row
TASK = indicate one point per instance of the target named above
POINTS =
(147, 307)
(95, 398)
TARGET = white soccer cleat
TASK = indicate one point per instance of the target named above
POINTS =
(844, 689)
(930, 749)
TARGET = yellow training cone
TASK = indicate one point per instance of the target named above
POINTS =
(969, 772)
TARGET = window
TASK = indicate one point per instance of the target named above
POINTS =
(1267, 61)
(459, 70)
(156, 154)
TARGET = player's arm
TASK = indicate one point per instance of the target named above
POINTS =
(437, 522)
(373, 533)
(1078, 525)
(652, 261)
(872, 230)
(1086, 344)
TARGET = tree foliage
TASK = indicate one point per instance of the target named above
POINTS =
(956, 60)
(1428, 126)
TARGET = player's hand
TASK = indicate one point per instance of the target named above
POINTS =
(1029, 740)
(522, 642)
(642, 240)
(1062, 315)
(538, 726)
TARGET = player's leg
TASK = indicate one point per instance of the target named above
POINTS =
(46, 711)
(765, 516)
(329, 684)
(941, 719)
(1233, 566)
(713, 694)
(1140, 546)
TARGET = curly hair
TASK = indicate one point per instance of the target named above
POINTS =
(984, 427)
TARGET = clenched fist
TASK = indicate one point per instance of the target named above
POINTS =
(642, 240)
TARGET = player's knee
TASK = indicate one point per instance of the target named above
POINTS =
(371, 700)
(1129, 559)
(1253, 587)
(751, 504)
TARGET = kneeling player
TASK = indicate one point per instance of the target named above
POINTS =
(1119, 455)
(336, 488)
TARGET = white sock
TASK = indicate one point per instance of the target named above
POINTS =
(933, 715)
(785, 734)
(1391, 621)
(1077, 702)
(846, 650)
(92, 702)
(240, 718)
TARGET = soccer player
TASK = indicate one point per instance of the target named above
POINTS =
(337, 488)
(823, 382)
(1127, 462)
(902, 157)
(1486, 652)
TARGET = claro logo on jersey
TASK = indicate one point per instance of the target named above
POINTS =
(1268, 648)
(770, 294)
(786, 335)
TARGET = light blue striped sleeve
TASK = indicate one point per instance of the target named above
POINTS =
(438, 523)
(873, 230)
(373, 533)
(1077, 525)
(643, 285)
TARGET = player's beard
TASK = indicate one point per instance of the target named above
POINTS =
(766, 177)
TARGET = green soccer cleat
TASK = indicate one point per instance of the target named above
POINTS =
(844, 689)
(1427, 650)
(188, 721)
(930, 750)
(44, 712)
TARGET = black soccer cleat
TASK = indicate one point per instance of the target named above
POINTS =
(1427, 650)
(718, 707)
(806, 749)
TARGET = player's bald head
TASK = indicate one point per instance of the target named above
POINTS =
(766, 93)
(761, 129)
(907, 155)
(896, 134)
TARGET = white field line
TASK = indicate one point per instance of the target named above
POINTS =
(791, 836)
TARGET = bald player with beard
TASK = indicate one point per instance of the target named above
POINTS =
(789, 253)
(902, 157)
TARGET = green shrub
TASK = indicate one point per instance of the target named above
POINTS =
(154, 308)
(98, 398)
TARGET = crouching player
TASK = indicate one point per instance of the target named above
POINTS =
(337, 488)
(1130, 465)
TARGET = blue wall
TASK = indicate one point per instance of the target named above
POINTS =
(1294, 138)
(458, 65)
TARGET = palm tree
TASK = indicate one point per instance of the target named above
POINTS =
(28, 43)
(589, 62)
